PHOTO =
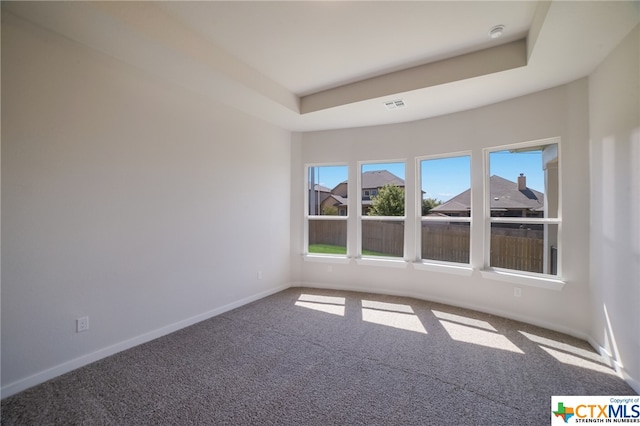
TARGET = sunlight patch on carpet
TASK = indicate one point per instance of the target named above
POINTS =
(476, 336)
(463, 320)
(569, 359)
(327, 304)
(391, 315)
(562, 346)
(569, 354)
(315, 298)
(384, 306)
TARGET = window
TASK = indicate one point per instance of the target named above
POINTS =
(521, 204)
(523, 208)
(445, 204)
(382, 209)
(327, 191)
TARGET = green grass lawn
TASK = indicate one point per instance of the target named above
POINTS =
(329, 249)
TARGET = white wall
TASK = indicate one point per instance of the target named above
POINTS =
(559, 112)
(614, 117)
(127, 200)
(148, 208)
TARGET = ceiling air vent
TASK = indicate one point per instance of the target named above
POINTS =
(398, 103)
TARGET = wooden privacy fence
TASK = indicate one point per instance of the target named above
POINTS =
(511, 248)
(448, 242)
(385, 238)
(519, 249)
(332, 232)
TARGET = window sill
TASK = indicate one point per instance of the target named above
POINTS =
(326, 258)
(522, 279)
(392, 263)
(444, 267)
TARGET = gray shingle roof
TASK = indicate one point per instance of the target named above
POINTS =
(504, 196)
(455, 205)
(378, 178)
(340, 201)
(375, 179)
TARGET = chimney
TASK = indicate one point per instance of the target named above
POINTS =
(522, 182)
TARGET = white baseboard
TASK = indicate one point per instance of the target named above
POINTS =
(65, 367)
(622, 372)
(633, 382)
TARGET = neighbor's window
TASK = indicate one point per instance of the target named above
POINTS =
(382, 209)
(523, 208)
(445, 204)
(327, 209)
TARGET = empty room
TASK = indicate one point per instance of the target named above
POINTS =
(320, 212)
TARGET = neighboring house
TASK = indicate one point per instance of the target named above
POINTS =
(371, 181)
(336, 201)
(508, 199)
(316, 198)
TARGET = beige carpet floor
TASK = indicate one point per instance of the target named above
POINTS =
(321, 357)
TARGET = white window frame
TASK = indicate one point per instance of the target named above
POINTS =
(525, 277)
(463, 267)
(370, 259)
(308, 217)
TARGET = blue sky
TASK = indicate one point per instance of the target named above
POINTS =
(330, 176)
(447, 177)
(444, 178)
(510, 165)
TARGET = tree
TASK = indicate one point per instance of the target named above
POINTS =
(330, 211)
(388, 202)
(428, 204)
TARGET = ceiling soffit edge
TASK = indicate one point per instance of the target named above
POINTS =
(487, 61)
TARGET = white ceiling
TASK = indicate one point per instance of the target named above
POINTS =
(310, 46)
(339, 61)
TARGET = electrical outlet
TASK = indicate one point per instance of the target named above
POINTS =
(517, 292)
(259, 275)
(82, 324)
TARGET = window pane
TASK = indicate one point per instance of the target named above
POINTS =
(525, 247)
(383, 189)
(327, 190)
(524, 182)
(446, 186)
(382, 238)
(446, 241)
(328, 236)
